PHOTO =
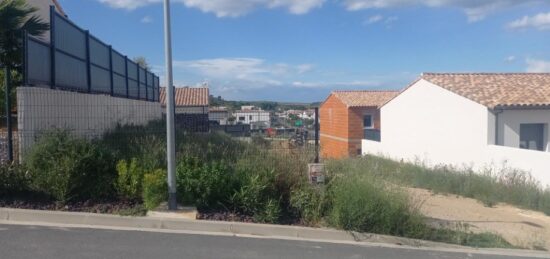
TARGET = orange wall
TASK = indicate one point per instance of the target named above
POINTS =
(342, 128)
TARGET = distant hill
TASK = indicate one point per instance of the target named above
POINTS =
(265, 105)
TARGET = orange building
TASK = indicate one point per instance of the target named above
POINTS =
(347, 117)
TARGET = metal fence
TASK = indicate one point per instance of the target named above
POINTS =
(75, 60)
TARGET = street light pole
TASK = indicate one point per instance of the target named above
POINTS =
(170, 129)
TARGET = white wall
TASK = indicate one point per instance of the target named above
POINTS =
(509, 123)
(430, 124)
(87, 115)
(253, 117)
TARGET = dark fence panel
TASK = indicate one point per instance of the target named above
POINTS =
(76, 60)
(142, 82)
(70, 72)
(38, 72)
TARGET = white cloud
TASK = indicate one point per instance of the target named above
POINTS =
(510, 58)
(373, 19)
(540, 21)
(475, 9)
(248, 72)
(147, 19)
(336, 85)
(129, 4)
(226, 8)
(538, 66)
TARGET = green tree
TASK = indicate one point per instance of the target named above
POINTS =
(16, 17)
(142, 62)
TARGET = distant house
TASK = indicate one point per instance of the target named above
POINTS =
(191, 107)
(253, 116)
(347, 117)
(218, 115)
(478, 120)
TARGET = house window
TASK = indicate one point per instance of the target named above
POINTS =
(531, 136)
(241, 118)
(368, 123)
(250, 117)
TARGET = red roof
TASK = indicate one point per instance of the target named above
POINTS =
(187, 96)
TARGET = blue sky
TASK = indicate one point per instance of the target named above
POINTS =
(300, 50)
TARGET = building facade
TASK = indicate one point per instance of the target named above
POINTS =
(347, 117)
(191, 108)
(478, 121)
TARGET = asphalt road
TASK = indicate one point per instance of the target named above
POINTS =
(55, 242)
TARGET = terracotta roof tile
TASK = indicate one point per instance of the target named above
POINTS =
(187, 96)
(497, 89)
(365, 98)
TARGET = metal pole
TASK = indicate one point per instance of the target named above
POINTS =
(170, 110)
(316, 134)
(8, 111)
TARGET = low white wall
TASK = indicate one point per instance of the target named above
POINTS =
(87, 115)
(491, 157)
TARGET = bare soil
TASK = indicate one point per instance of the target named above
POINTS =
(520, 227)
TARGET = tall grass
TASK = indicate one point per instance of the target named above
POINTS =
(508, 186)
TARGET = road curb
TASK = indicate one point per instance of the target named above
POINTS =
(76, 219)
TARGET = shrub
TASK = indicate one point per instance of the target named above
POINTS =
(310, 202)
(206, 185)
(69, 168)
(270, 212)
(130, 179)
(13, 179)
(366, 205)
(145, 143)
(155, 189)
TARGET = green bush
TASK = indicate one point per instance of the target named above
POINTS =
(270, 212)
(145, 143)
(69, 168)
(311, 203)
(367, 205)
(205, 185)
(155, 189)
(130, 179)
(13, 179)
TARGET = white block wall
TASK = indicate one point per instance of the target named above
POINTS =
(87, 115)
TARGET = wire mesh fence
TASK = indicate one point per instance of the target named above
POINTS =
(4, 140)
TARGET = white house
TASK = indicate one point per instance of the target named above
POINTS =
(257, 118)
(219, 115)
(483, 121)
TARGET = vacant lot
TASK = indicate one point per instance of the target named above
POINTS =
(520, 227)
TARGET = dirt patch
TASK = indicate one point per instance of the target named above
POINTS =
(520, 227)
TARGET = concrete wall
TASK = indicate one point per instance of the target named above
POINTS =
(509, 123)
(87, 115)
(430, 124)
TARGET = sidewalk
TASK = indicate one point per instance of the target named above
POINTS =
(161, 224)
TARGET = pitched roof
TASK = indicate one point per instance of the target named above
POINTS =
(364, 98)
(187, 96)
(496, 90)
